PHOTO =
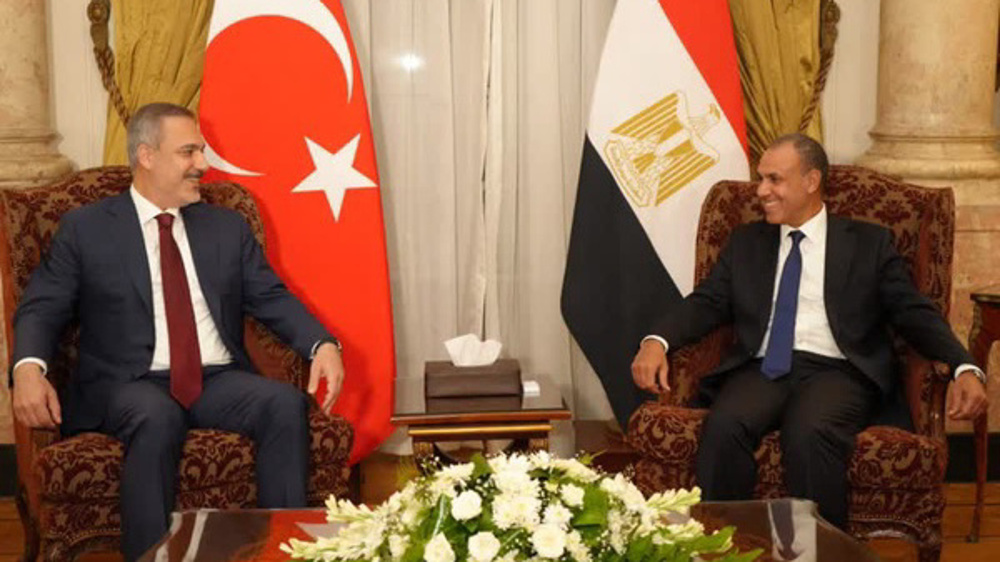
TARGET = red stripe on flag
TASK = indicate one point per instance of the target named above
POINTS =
(273, 84)
(706, 29)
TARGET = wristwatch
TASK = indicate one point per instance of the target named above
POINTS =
(331, 339)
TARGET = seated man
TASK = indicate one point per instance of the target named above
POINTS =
(810, 296)
(160, 283)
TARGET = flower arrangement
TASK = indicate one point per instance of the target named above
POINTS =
(520, 507)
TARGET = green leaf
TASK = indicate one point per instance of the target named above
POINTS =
(710, 543)
(740, 556)
(595, 508)
(666, 552)
(414, 553)
(480, 466)
(639, 548)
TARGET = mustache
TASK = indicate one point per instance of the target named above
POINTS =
(197, 175)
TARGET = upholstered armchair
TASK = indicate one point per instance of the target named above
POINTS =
(895, 476)
(68, 487)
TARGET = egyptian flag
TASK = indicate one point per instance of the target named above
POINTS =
(283, 112)
(666, 123)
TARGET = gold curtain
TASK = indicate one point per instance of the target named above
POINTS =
(785, 48)
(160, 50)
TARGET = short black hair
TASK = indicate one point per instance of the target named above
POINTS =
(811, 154)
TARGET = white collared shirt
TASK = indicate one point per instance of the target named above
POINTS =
(812, 326)
(213, 351)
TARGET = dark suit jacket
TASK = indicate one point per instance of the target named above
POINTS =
(867, 288)
(96, 271)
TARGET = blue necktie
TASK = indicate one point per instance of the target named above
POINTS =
(778, 356)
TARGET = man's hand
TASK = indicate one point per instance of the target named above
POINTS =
(36, 403)
(650, 367)
(326, 364)
(966, 397)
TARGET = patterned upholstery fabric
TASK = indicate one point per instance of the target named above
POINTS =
(73, 485)
(895, 476)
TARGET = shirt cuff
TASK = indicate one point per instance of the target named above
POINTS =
(975, 371)
(663, 342)
(36, 361)
(315, 347)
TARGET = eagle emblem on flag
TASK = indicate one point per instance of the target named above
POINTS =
(661, 149)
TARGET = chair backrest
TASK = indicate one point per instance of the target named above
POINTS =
(28, 221)
(922, 220)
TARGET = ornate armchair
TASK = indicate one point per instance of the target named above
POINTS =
(895, 476)
(68, 487)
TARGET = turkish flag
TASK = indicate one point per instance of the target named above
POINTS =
(283, 112)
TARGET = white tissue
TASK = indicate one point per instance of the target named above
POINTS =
(469, 351)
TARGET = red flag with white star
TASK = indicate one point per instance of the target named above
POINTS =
(283, 112)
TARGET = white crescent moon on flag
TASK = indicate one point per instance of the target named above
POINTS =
(312, 13)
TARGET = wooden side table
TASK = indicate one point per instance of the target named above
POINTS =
(985, 331)
(526, 419)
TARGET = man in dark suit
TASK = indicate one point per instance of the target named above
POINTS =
(160, 284)
(810, 296)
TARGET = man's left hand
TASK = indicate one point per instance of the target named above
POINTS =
(967, 397)
(327, 364)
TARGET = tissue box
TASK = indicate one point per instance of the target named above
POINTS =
(442, 379)
(473, 404)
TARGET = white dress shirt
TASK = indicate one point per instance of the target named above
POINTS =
(812, 326)
(213, 351)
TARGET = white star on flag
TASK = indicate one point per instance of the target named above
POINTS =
(334, 173)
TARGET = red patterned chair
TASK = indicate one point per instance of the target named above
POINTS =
(68, 488)
(896, 476)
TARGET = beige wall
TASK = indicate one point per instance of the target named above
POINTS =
(79, 101)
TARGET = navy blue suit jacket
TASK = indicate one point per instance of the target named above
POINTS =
(96, 271)
(867, 289)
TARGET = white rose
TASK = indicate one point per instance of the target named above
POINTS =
(438, 550)
(514, 482)
(467, 505)
(483, 547)
(411, 513)
(572, 495)
(557, 515)
(576, 547)
(526, 511)
(549, 541)
(397, 545)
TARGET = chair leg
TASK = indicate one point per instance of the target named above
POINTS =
(980, 440)
(31, 536)
(929, 552)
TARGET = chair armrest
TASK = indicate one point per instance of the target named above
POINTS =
(688, 364)
(28, 442)
(926, 385)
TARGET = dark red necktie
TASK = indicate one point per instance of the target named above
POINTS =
(185, 355)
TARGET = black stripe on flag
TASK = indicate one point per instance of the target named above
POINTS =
(615, 284)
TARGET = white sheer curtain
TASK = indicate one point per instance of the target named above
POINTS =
(479, 109)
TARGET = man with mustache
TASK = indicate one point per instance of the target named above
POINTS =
(810, 296)
(160, 283)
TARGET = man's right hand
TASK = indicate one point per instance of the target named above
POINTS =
(650, 367)
(36, 403)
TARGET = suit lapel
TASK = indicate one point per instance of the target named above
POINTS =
(840, 245)
(128, 232)
(768, 243)
(205, 253)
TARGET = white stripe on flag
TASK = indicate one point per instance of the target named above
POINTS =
(644, 61)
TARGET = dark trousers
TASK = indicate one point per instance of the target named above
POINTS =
(819, 408)
(153, 426)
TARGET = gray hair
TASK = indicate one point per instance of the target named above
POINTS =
(810, 152)
(144, 127)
